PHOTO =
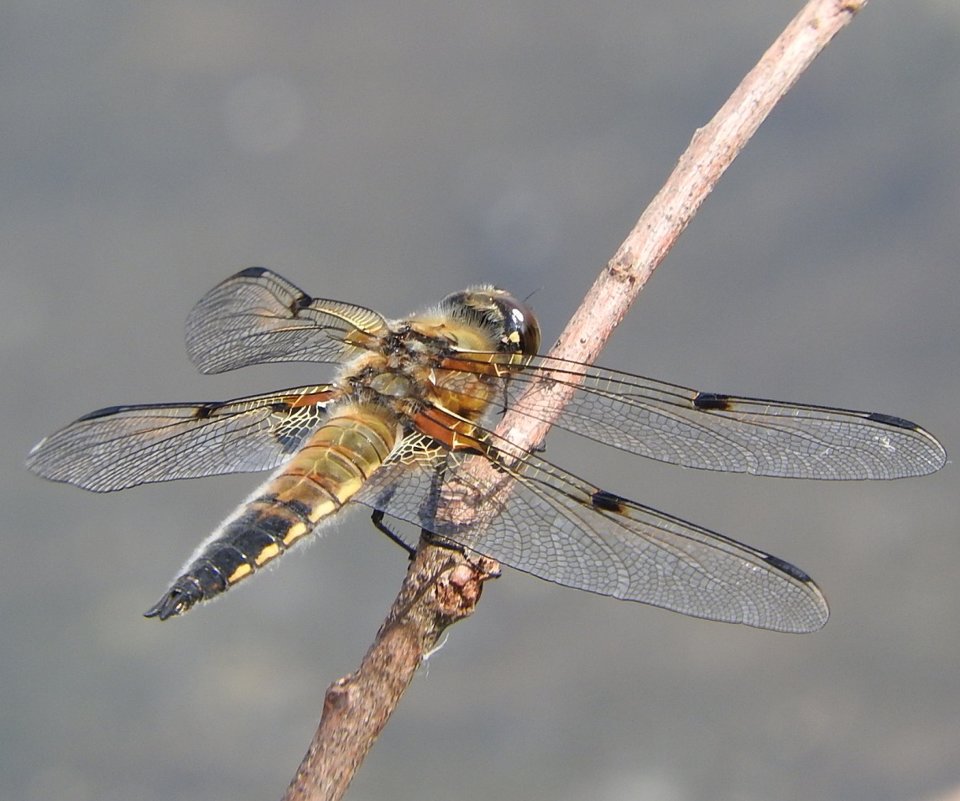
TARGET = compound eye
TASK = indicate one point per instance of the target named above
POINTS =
(521, 329)
(508, 322)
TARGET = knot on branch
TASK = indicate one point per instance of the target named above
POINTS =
(337, 697)
(458, 589)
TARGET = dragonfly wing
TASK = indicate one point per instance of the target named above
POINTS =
(711, 431)
(533, 516)
(123, 446)
(256, 316)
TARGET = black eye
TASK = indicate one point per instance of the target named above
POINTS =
(509, 322)
(521, 331)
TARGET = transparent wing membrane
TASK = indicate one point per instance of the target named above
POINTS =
(255, 317)
(711, 431)
(123, 446)
(538, 518)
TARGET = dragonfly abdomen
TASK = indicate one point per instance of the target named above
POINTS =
(321, 477)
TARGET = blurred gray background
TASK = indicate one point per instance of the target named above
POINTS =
(389, 153)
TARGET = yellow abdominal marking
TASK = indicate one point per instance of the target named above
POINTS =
(268, 553)
(295, 532)
(241, 571)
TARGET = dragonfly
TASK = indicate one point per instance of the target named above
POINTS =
(415, 402)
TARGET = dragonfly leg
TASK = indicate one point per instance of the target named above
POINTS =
(377, 520)
(442, 542)
(434, 539)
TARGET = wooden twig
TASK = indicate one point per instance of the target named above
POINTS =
(443, 586)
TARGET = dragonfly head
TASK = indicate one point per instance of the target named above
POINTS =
(510, 322)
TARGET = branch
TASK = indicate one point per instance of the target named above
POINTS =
(443, 586)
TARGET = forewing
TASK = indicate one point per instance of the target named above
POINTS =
(256, 316)
(533, 516)
(711, 431)
(123, 446)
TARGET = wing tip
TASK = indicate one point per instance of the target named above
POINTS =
(816, 614)
(786, 567)
(936, 454)
(251, 272)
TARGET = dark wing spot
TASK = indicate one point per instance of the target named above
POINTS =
(105, 412)
(890, 420)
(608, 502)
(301, 302)
(204, 410)
(711, 401)
(252, 272)
(786, 567)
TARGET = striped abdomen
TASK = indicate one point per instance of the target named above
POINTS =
(322, 476)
